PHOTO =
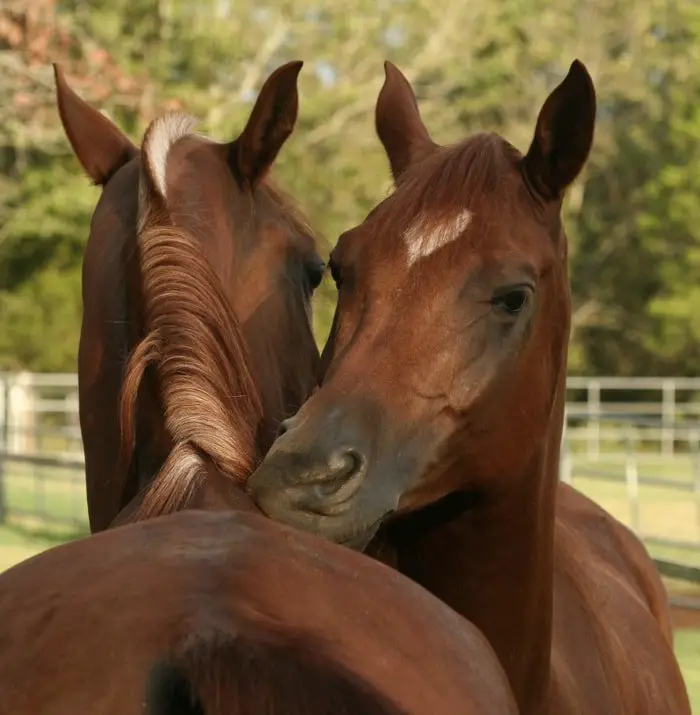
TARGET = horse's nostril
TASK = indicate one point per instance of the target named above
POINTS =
(344, 463)
(283, 428)
(343, 479)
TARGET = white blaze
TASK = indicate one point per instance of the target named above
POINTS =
(423, 238)
(164, 132)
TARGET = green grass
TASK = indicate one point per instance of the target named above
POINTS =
(21, 541)
(59, 496)
(46, 506)
(688, 653)
(52, 495)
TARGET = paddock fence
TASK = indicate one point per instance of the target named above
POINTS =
(631, 444)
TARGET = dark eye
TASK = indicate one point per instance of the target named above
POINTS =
(314, 273)
(512, 301)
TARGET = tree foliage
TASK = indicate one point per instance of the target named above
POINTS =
(632, 218)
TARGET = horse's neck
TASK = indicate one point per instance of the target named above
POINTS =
(217, 493)
(152, 443)
(494, 565)
(220, 493)
(233, 500)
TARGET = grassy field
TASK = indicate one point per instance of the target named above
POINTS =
(56, 499)
(688, 653)
(19, 542)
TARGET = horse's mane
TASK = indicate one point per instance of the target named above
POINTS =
(194, 343)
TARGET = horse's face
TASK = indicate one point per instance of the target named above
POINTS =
(450, 333)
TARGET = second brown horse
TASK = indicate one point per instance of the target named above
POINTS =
(441, 410)
(255, 245)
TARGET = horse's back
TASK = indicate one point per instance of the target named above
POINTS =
(232, 604)
(612, 643)
(262, 677)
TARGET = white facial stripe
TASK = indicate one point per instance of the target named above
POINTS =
(163, 133)
(422, 239)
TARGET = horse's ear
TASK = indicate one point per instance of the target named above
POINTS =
(100, 146)
(270, 124)
(563, 135)
(399, 124)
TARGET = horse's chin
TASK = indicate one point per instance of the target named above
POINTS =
(361, 541)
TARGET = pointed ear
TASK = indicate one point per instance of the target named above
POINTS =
(270, 124)
(399, 124)
(100, 146)
(563, 135)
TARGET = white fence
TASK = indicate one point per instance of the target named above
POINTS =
(632, 444)
(41, 454)
(39, 412)
(657, 405)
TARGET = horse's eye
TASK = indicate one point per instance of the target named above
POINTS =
(512, 301)
(314, 272)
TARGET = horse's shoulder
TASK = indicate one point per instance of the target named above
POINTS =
(609, 600)
(585, 527)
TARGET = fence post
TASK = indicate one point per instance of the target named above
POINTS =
(632, 479)
(565, 466)
(694, 444)
(594, 424)
(668, 416)
(566, 471)
(19, 413)
(4, 389)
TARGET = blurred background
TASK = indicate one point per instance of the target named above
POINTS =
(633, 219)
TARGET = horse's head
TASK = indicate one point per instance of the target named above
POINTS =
(449, 340)
(256, 241)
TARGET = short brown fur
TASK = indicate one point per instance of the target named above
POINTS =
(227, 613)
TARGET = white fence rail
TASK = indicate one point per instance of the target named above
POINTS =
(663, 409)
(41, 453)
(664, 403)
(39, 413)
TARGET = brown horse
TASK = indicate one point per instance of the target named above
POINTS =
(259, 263)
(228, 613)
(441, 411)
